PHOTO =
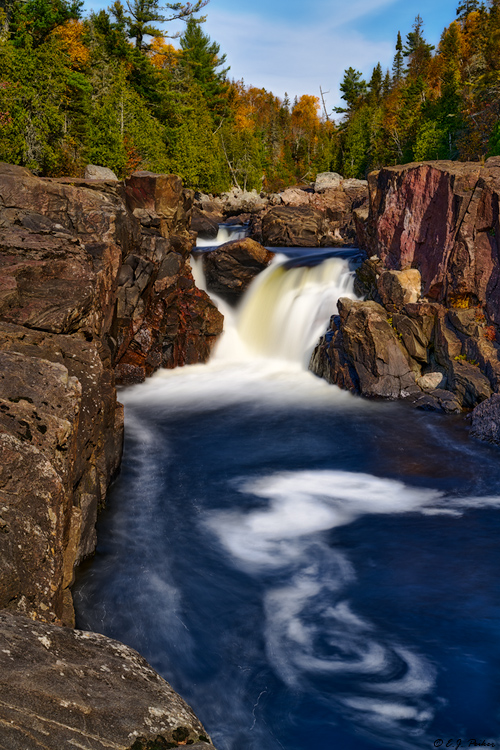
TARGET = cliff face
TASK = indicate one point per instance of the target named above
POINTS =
(428, 328)
(95, 282)
(95, 286)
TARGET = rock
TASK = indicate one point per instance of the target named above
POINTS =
(399, 288)
(67, 688)
(286, 226)
(295, 197)
(371, 348)
(416, 210)
(93, 172)
(486, 420)
(413, 336)
(230, 269)
(58, 411)
(206, 224)
(431, 380)
(327, 180)
(468, 383)
(238, 201)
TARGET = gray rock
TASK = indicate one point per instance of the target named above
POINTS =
(431, 381)
(486, 420)
(65, 688)
(326, 180)
(94, 172)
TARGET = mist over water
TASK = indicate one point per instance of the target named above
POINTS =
(309, 570)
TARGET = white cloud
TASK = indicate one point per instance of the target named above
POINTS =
(296, 60)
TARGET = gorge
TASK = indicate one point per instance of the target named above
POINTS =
(306, 567)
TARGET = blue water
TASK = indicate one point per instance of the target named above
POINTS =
(307, 569)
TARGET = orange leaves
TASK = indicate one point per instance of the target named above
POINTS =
(70, 36)
(163, 56)
(305, 113)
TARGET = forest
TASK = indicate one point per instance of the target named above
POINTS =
(112, 88)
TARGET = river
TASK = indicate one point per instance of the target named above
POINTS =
(306, 568)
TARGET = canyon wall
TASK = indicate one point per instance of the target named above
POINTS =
(427, 330)
(95, 289)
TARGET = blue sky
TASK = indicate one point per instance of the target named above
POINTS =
(295, 46)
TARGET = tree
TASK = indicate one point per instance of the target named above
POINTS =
(465, 7)
(417, 49)
(33, 21)
(352, 87)
(143, 16)
(375, 84)
(202, 58)
(398, 65)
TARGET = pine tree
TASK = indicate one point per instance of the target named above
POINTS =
(352, 87)
(202, 58)
(465, 7)
(398, 64)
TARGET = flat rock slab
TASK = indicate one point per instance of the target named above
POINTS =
(63, 688)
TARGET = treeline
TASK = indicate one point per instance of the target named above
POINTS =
(434, 104)
(111, 89)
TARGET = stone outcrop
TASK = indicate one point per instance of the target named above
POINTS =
(231, 267)
(432, 239)
(320, 215)
(95, 286)
(63, 688)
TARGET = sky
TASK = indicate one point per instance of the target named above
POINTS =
(297, 47)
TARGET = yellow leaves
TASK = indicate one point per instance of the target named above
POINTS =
(305, 113)
(70, 36)
(162, 55)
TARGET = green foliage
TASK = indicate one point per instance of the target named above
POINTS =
(32, 22)
(202, 58)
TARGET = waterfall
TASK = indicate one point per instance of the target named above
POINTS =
(286, 310)
(227, 233)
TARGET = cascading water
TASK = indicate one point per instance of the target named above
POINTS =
(306, 568)
(227, 233)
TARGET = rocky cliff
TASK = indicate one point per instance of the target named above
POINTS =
(428, 327)
(95, 288)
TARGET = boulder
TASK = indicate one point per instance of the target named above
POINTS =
(206, 224)
(327, 180)
(65, 688)
(371, 348)
(93, 172)
(230, 269)
(431, 380)
(287, 226)
(486, 420)
(238, 201)
(399, 288)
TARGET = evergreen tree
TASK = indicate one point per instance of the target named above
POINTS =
(398, 64)
(465, 7)
(202, 58)
(375, 84)
(417, 49)
(32, 22)
(352, 87)
(143, 16)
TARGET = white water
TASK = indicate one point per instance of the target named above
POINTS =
(227, 233)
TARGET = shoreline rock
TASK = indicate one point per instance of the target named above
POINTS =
(432, 237)
(95, 288)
